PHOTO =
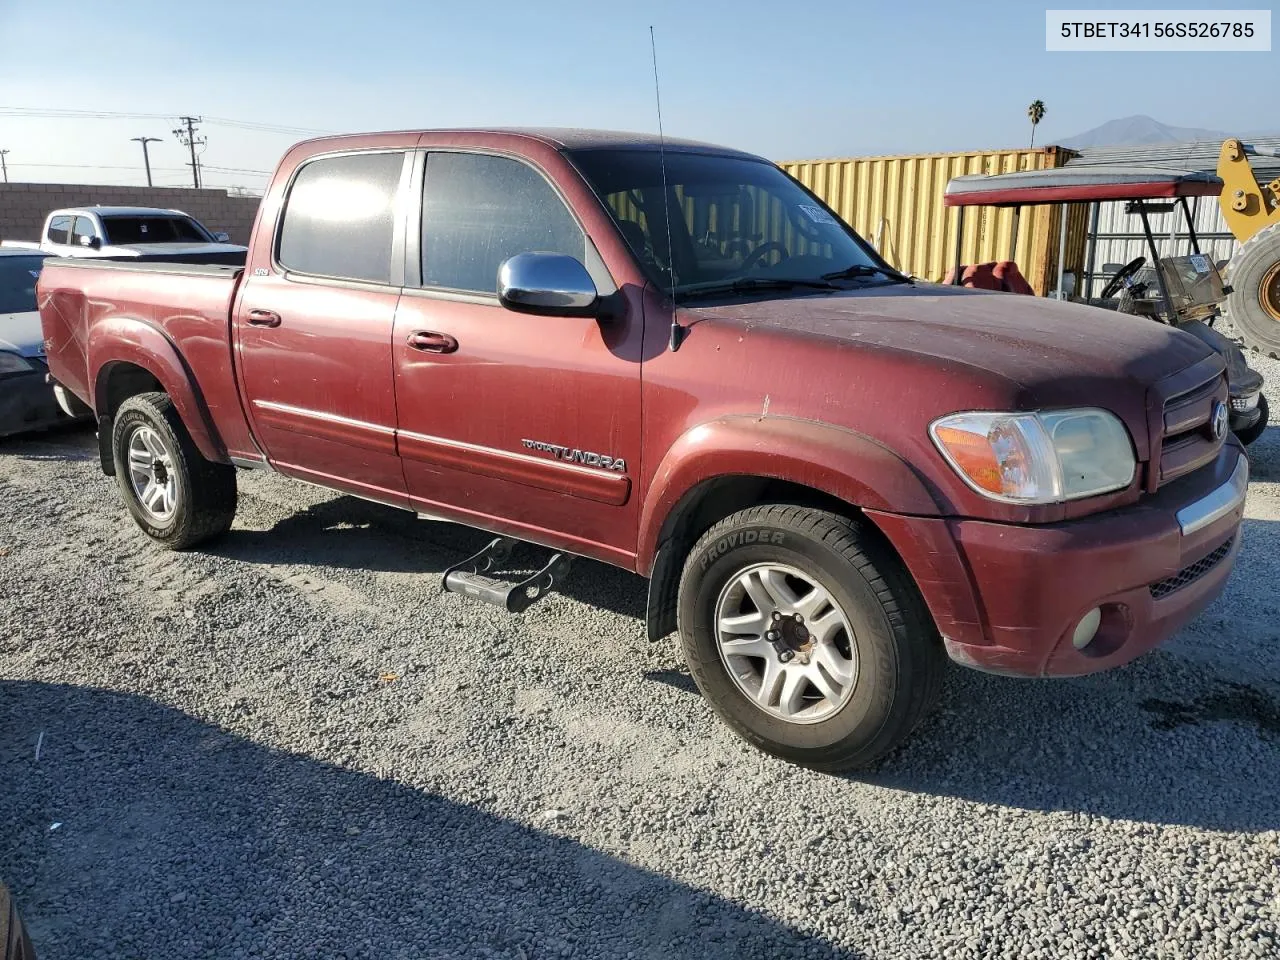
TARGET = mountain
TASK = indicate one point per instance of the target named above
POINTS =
(1137, 131)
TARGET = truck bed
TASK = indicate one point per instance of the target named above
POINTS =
(188, 304)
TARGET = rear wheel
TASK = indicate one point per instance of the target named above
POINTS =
(807, 636)
(1254, 302)
(176, 496)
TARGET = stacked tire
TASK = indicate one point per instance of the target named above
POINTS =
(1254, 302)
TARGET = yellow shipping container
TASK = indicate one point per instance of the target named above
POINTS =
(896, 204)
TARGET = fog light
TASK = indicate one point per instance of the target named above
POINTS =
(1087, 629)
(1245, 404)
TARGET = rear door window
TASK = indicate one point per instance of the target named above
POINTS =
(339, 217)
(478, 210)
(59, 230)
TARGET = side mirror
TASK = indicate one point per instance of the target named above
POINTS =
(549, 285)
(93, 243)
(221, 237)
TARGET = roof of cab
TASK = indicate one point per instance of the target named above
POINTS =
(1079, 184)
(561, 138)
(119, 211)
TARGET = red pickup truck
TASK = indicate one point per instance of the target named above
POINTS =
(676, 359)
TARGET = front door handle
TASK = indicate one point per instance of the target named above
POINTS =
(432, 342)
(264, 318)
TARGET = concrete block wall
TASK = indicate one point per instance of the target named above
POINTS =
(24, 206)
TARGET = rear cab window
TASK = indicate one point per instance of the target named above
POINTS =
(133, 230)
(340, 217)
(481, 209)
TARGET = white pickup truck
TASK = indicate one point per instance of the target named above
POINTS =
(147, 233)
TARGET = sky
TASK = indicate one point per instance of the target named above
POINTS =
(788, 81)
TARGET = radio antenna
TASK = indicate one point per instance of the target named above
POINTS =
(677, 331)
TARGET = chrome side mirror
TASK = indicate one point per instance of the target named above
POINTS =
(92, 242)
(549, 285)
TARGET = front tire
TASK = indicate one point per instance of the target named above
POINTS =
(177, 497)
(807, 636)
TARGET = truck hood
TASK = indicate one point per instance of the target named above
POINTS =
(1029, 341)
(21, 333)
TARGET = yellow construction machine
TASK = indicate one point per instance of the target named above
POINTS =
(1252, 213)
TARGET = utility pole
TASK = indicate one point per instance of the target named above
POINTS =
(4, 166)
(187, 137)
(146, 160)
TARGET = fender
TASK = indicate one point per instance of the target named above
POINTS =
(835, 460)
(129, 340)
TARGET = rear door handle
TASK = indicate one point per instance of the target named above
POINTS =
(431, 342)
(264, 318)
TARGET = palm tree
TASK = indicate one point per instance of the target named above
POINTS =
(1036, 113)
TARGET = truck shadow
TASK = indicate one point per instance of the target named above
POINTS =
(1103, 746)
(1188, 734)
(350, 533)
(1264, 455)
(173, 830)
(1158, 741)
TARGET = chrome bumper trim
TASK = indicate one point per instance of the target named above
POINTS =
(1219, 503)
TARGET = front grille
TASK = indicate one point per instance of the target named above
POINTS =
(1191, 573)
(1187, 440)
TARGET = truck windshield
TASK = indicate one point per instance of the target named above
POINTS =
(134, 230)
(18, 277)
(736, 223)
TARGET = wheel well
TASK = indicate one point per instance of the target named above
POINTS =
(698, 511)
(117, 383)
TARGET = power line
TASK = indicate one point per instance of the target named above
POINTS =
(55, 114)
(155, 169)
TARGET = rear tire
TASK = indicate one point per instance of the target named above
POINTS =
(866, 661)
(177, 497)
(1254, 302)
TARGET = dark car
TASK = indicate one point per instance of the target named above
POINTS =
(27, 400)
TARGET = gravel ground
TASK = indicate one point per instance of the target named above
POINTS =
(292, 745)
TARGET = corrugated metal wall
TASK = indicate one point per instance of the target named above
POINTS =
(1120, 234)
(896, 204)
(1120, 237)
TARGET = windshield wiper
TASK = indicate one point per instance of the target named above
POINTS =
(866, 270)
(747, 284)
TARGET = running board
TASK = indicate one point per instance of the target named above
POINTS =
(469, 577)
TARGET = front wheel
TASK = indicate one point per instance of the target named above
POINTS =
(807, 636)
(176, 496)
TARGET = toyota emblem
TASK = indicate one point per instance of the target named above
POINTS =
(1220, 419)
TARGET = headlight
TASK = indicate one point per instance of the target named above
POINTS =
(1043, 457)
(12, 363)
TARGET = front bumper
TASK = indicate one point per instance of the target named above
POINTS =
(1007, 598)
(27, 403)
